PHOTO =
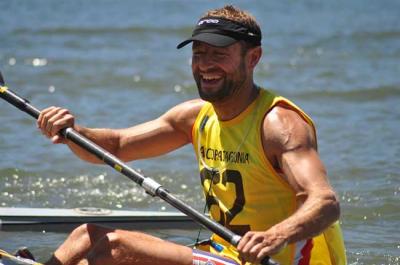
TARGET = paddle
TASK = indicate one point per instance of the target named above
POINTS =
(151, 187)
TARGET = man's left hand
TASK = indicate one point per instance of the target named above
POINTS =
(254, 246)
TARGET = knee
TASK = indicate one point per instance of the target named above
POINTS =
(109, 249)
(84, 232)
(119, 246)
(80, 231)
(114, 239)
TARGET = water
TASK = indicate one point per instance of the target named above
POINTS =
(114, 64)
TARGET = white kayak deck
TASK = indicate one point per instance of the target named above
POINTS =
(63, 220)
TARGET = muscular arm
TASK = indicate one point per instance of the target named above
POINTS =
(290, 145)
(159, 136)
(294, 151)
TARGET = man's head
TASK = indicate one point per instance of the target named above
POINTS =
(224, 26)
(226, 48)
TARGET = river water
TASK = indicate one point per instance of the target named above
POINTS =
(114, 64)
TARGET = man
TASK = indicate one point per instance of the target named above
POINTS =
(258, 160)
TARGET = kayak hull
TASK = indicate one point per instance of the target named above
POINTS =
(64, 220)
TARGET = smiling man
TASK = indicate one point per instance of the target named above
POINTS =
(257, 155)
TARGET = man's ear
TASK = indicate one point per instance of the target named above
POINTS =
(253, 56)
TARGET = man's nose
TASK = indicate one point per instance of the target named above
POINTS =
(206, 62)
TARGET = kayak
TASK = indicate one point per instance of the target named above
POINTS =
(65, 220)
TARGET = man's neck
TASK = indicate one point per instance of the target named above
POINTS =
(236, 104)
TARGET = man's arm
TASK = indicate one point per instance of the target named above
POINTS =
(159, 136)
(290, 145)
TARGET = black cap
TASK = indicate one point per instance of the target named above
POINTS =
(221, 32)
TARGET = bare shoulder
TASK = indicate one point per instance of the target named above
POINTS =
(183, 115)
(184, 111)
(284, 129)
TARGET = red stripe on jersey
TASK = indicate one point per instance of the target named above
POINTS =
(306, 253)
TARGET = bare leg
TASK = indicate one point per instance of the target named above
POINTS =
(125, 247)
(94, 245)
(78, 244)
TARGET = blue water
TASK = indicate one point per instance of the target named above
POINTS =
(114, 64)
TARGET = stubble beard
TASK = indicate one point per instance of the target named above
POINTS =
(228, 87)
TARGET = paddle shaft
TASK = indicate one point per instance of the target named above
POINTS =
(151, 187)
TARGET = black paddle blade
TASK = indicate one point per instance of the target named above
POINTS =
(1, 80)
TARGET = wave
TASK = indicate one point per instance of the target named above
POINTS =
(354, 37)
(380, 35)
(357, 94)
(103, 30)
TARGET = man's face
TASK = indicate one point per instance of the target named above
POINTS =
(218, 71)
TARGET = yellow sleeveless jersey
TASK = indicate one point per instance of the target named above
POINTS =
(243, 190)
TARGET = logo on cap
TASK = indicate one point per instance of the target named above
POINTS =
(208, 21)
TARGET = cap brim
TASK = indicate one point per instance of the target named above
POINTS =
(209, 38)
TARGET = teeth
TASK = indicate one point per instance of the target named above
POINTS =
(210, 77)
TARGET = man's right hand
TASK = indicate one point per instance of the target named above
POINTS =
(51, 120)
